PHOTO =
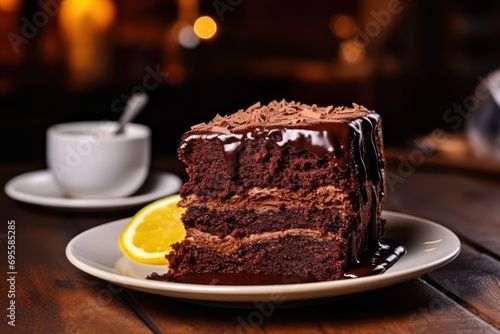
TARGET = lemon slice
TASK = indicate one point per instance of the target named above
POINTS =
(149, 235)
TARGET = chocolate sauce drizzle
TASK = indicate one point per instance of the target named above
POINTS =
(377, 260)
(332, 139)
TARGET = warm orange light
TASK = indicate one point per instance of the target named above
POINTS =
(85, 25)
(342, 26)
(9, 5)
(205, 27)
(94, 14)
(188, 10)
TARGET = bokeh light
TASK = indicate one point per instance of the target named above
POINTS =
(342, 26)
(351, 52)
(187, 37)
(205, 27)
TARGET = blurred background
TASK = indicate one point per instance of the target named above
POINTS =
(414, 62)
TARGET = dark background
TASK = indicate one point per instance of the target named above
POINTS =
(410, 66)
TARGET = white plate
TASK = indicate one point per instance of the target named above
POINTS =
(39, 188)
(429, 246)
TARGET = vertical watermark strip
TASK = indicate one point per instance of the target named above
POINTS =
(11, 272)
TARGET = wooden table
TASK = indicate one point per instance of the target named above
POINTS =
(53, 296)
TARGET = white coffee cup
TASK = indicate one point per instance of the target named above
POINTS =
(89, 161)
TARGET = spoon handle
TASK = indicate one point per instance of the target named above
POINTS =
(132, 109)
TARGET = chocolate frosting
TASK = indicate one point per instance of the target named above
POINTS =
(282, 113)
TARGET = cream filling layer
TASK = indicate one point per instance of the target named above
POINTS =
(272, 198)
(230, 244)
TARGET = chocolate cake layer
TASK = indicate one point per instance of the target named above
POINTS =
(277, 256)
(242, 222)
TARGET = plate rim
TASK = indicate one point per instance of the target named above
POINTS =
(83, 203)
(246, 293)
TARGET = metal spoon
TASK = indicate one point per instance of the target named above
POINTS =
(134, 105)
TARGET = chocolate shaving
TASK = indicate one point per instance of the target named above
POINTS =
(253, 106)
(199, 125)
(310, 113)
(220, 129)
(282, 113)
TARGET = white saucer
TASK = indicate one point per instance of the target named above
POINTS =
(429, 246)
(39, 188)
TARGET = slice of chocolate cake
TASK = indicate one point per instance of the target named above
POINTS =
(282, 190)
